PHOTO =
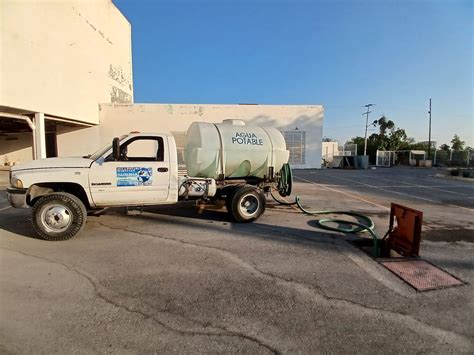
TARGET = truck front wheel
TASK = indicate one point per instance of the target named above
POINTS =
(247, 204)
(58, 216)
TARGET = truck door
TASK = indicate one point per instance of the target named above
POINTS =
(140, 177)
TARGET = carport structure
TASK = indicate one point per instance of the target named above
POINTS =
(37, 131)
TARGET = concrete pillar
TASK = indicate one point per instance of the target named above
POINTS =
(39, 136)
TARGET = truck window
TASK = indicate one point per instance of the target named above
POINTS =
(142, 149)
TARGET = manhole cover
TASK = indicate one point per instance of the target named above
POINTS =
(421, 275)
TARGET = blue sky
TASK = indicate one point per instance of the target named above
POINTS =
(341, 54)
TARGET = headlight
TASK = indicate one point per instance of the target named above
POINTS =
(16, 183)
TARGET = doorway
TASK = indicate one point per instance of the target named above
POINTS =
(51, 145)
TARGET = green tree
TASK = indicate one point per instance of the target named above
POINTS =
(457, 143)
(444, 147)
(389, 137)
(418, 146)
(397, 139)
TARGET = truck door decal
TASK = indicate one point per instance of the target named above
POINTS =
(134, 176)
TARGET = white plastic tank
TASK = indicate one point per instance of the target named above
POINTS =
(232, 149)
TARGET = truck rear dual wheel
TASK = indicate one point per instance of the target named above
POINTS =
(229, 192)
(246, 203)
(58, 216)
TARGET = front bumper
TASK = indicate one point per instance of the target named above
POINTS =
(17, 197)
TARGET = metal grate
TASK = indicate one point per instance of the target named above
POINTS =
(296, 144)
(421, 275)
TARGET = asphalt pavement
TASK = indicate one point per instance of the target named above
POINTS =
(184, 279)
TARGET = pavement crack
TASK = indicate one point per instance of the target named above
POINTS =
(319, 296)
(221, 331)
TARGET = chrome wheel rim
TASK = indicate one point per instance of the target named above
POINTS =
(249, 205)
(56, 218)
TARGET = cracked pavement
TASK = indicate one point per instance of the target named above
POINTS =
(180, 279)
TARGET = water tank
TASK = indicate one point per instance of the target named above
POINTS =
(233, 150)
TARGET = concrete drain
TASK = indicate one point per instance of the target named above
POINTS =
(421, 275)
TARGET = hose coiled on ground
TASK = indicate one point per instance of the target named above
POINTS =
(284, 188)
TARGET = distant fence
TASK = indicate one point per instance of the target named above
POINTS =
(385, 158)
(413, 157)
(453, 158)
(347, 150)
(331, 151)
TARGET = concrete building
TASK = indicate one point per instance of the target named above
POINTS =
(330, 150)
(59, 60)
(298, 123)
(66, 88)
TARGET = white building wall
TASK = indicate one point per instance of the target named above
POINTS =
(116, 120)
(329, 150)
(78, 142)
(15, 148)
(63, 57)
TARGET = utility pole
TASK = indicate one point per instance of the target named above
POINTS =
(366, 125)
(429, 135)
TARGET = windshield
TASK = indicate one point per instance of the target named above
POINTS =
(102, 150)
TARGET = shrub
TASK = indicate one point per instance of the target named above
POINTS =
(466, 173)
(455, 172)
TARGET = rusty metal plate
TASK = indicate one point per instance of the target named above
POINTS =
(421, 275)
(405, 230)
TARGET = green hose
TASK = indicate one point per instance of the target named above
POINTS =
(285, 183)
(368, 224)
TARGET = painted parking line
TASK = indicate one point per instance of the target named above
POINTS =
(436, 188)
(344, 193)
(401, 193)
(5, 208)
(393, 186)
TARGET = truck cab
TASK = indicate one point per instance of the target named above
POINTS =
(144, 172)
(135, 169)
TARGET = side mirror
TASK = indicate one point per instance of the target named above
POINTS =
(116, 149)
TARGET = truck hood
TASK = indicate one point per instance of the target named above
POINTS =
(54, 163)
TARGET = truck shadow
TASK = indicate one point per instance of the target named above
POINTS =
(18, 222)
(216, 217)
(185, 220)
(191, 210)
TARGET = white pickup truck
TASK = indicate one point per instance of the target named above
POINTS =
(141, 169)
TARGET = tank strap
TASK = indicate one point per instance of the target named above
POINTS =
(221, 155)
(272, 160)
